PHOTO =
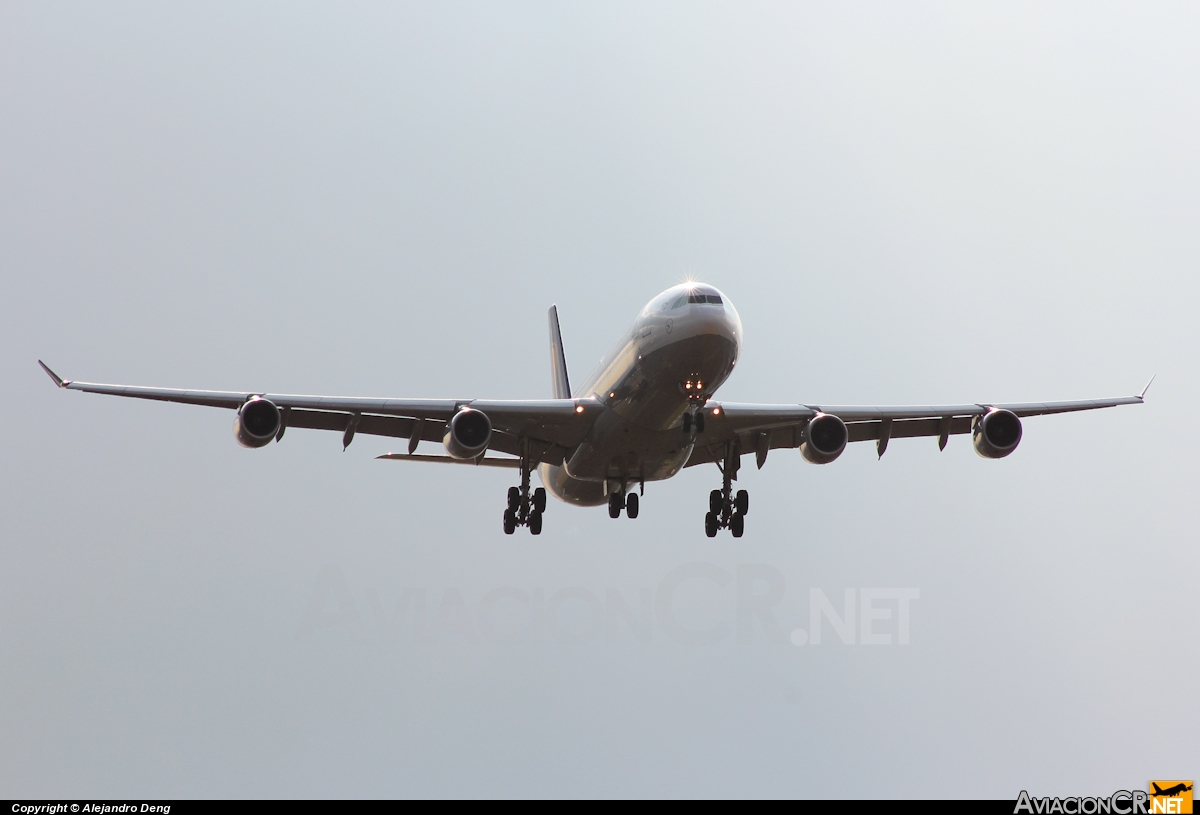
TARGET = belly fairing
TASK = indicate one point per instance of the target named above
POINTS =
(571, 490)
(620, 449)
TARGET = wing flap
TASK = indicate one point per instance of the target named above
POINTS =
(907, 428)
(508, 463)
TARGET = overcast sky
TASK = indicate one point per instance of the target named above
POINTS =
(907, 203)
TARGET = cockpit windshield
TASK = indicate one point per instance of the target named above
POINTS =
(696, 296)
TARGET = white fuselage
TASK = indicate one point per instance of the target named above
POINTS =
(681, 348)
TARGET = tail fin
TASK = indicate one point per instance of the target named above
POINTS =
(1157, 789)
(558, 359)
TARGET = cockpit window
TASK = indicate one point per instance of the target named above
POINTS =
(696, 296)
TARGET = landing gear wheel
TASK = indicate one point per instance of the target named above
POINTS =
(615, 505)
(539, 499)
(715, 500)
(510, 522)
(514, 498)
(631, 505)
(742, 502)
(710, 524)
(699, 422)
(535, 523)
(737, 525)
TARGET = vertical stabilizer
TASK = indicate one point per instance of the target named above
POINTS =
(558, 359)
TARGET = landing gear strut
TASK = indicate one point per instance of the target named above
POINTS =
(727, 510)
(525, 508)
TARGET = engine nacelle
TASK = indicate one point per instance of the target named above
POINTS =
(468, 434)
(996, 434)
(824, 439)
(257, 423)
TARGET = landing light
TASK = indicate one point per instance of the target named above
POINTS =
(716, 411)
(579, 408)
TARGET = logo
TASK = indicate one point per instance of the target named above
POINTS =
(1170, 797)
(1164, 798)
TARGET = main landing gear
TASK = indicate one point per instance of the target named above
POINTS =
(525, 508)
(619, 501)
(727, 510)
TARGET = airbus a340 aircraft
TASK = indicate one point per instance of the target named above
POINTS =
(645, 413)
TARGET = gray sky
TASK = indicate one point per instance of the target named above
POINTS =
(906, 203)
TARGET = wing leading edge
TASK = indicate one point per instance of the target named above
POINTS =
(553, 426)
(758, 428)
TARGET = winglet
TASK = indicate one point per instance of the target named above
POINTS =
(1142, 395)
(58, 380)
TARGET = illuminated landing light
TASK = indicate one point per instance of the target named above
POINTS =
(612, 395)
(579, 408)
(716, 411)
(699, 385)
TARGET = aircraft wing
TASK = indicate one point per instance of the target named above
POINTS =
(760, 428)
(553, 426)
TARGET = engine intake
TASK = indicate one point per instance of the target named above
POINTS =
(257, 423)
(824, 439)
(996, 434)
(468, 434)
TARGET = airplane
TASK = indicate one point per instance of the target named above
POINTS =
(1170, 792)
(646, 412)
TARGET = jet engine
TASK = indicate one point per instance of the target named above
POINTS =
(468, 434)
(824, 439)
(996, 434)
(257, 423)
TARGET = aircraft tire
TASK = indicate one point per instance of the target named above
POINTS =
(737, 525)
(710, 524)
(535, 523)
(714, 501)
(742, 502)
(510, 522)
(631, 505)
(615, 505)
(514, 498)
(539, 499)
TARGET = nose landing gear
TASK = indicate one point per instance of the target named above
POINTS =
(693, 390)
(525, 508)
(727, 510)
